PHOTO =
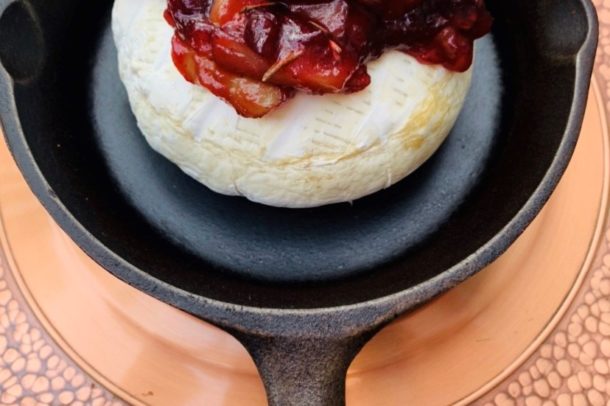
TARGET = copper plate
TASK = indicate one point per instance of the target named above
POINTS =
(533, 327)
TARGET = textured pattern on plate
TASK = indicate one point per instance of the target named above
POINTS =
(571, 367)
(33, 371)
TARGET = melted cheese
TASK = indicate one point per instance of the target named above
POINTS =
(312, 150)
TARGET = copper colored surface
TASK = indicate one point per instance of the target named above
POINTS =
(534, 326)
(455, 348)
(473, 335)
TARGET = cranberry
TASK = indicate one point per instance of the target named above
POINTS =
(236, 48)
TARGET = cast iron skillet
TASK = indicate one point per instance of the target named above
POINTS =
(303, 290)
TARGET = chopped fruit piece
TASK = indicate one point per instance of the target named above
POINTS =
(295, 35)
(255, 53)
(261, 33)
(318, 74)
(184, 59)
(359, 80)
(332, 16)
(223, 11)
(250, 98)
(308, 60)
(169, 18)
(237, 57)
(188, 8)
(280, 64)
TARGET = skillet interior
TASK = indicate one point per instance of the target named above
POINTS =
(138, 206)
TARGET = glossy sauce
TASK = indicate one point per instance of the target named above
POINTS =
(256, 54)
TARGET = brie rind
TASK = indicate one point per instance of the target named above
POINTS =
(312, 150)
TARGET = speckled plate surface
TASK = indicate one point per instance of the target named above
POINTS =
(532, 329)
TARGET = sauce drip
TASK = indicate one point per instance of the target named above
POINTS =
(256, 54)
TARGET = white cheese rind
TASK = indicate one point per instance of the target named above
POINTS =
(312, 150)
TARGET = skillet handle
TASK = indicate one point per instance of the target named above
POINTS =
(301, 371)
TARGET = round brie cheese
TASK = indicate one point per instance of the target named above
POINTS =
(312, 150)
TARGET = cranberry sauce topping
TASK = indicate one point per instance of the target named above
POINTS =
(256, 53)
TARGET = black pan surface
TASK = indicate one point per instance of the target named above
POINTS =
(302, 290)
(138, 209)
(288, 245)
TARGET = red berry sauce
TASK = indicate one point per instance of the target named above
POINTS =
(256, 54)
